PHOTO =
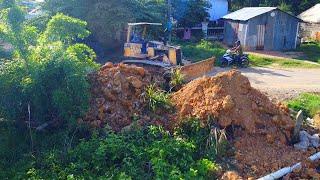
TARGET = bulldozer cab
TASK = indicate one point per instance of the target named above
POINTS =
(139, 32)
(143, 43)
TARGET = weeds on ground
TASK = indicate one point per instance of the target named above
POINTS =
(211, 140)
(261, 61)
(308, 102)
(177, 78)
(201, 50)
(157, 98)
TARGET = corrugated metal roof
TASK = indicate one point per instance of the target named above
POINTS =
(247, 13)
(311, 15)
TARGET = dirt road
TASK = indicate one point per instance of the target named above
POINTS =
(281, 84)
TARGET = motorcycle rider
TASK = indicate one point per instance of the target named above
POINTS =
(237, 50)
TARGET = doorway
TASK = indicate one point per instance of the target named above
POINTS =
(261, 31)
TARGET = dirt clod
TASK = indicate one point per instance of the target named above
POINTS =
(231, 175)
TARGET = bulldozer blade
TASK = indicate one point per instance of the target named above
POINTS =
(198, 69)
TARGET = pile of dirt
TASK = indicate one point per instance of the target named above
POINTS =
(230, 99)
(118, 95)
(262, 130)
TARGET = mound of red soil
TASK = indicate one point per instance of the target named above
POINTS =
(230, 99)
(261, 141)
(117, 95)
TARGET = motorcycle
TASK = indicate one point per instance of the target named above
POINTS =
(229, 59)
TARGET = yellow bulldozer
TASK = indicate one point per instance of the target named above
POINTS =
(142, 49)
(142, 45)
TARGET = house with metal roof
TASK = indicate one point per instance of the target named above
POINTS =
(262, 28)
(310, 28)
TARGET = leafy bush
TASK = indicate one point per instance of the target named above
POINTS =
(311, 50)
(308, 102)
(157, 98)
(66, 29)
(49, 75)
(143, 154)
(56, 88)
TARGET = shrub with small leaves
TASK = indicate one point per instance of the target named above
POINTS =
(177, 78)
(157, 98)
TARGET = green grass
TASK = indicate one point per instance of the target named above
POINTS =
(201, 50)
(311, 51)
(262, 61)
(197, 51)
(308, 102)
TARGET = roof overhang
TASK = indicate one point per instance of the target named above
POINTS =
(311, 15)
(248, 13)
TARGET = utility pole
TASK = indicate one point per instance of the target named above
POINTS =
(169, 20)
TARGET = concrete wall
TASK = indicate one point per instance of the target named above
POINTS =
(308, 31)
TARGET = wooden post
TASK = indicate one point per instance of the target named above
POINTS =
(296, 133)
(129, 33)
(144, 32)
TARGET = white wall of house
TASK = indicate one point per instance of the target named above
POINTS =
(218, 9)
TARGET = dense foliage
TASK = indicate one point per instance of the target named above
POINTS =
(139, 153)
(46, 79)
(191, 12)
(311, 51)
(107, 20)
(292, 6)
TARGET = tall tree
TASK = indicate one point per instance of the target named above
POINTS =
(291, 6)
(107, 18)
(190, 12)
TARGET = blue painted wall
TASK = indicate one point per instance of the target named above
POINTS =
(218, 9)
